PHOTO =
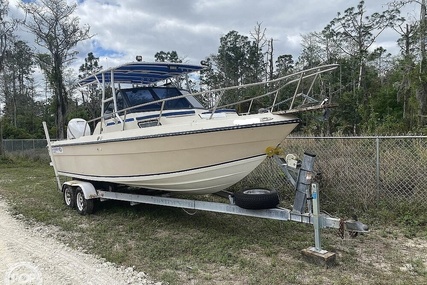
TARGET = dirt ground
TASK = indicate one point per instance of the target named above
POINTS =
(28, 255)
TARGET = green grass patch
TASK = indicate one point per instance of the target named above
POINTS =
(210, 248)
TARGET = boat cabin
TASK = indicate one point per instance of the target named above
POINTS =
(153, 95)
(138, 99)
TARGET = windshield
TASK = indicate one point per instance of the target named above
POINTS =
(143, 95)
(137, 97)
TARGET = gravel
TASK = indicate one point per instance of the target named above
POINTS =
(30, 255)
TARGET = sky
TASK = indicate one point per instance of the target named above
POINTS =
(122, 29)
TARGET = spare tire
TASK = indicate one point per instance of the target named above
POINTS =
(256, 199)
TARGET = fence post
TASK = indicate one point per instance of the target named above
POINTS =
(377, 140)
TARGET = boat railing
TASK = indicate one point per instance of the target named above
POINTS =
(275, 86)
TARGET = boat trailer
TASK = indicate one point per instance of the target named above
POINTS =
(306, 208)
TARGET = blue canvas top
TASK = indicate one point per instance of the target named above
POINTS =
(142, 72)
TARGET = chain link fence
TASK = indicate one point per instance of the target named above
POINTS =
(34, 149)
(23, 145)
(351, 171)
(355, 172)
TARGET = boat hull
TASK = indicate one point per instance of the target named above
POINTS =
(197, 161)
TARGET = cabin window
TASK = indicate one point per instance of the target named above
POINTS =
(142, 96)
(109, 109)
(164, 93)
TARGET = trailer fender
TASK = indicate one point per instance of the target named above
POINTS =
(88, 189)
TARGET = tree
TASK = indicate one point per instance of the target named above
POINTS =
(422, 76)
(170, 56)
(17, 81)
(58, 31)
(284, 64)
(256, 57)
(312, 51)
(355, 32)
(413, 49)
(318, 48)
(237, 62)
(269, 60)
(93, 100)
(7, 28)
(91, 66)
(381, 60)
(348, 39)
(232, 56)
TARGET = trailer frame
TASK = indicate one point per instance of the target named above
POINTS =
(306, 207)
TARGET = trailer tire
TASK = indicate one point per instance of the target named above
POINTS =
(84, 206)
(256, 199)
(69, 196)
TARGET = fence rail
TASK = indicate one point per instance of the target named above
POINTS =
(351, 170)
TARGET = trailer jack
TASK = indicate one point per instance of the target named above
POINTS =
(300, 174)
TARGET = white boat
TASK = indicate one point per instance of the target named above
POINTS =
(160, 137)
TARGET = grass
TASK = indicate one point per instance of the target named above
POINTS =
(209, 248)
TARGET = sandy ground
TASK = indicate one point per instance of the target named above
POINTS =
(29, 256)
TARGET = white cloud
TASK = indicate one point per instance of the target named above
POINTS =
(124, 29)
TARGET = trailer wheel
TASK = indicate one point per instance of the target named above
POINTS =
(69, 196)
(256, 199)
(84, 206)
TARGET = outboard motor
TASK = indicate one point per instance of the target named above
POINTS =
(77, 128)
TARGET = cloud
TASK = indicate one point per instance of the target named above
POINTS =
(193, 28)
